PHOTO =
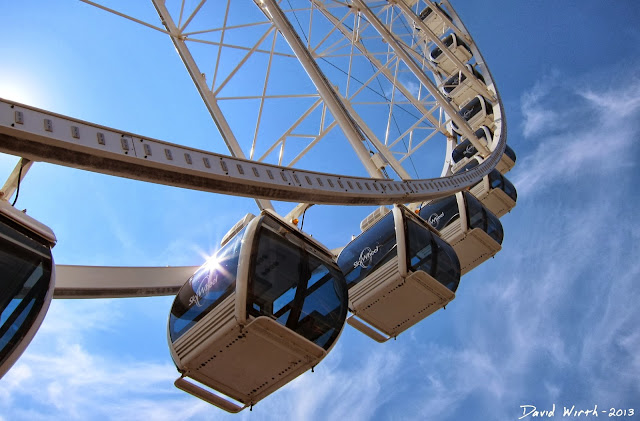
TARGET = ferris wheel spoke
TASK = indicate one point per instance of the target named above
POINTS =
(361, 71)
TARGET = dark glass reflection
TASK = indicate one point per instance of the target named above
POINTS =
(510, 153)
(212, 283)
(441, 213)
(499, 181)
(472, 108)
(370, 250)
(25, 277)
(466, 149)
(297, 285)
(428, 253)
(459, 77)
(480, 217)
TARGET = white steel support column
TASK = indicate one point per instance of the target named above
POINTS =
(16, 176)
(326, 91)
(207, 96)
(422, 77)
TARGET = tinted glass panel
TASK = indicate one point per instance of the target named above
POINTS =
(437, 52)
(509, 188)
(369, 250)
(472, 108)
(210, 285)
(464, 150)
(477, 74)
(297, 285)
(430, 254)
(25, 277)
(447, 271)
(510, 153)
(441, 213)
(498, 181)
(481, 217)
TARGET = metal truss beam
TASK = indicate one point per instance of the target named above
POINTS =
(40, 135)
(422, 77)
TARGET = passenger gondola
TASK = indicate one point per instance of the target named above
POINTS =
(496, 193)
(434, 21)
(458, 88)
(478, 112)
(457, 47)
(473, 231)
(398, 272)
(26, 281)
(268, 307)
(508, 160)
(464, 153)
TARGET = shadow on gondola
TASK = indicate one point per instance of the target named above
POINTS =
(267, 308)
(398, 271)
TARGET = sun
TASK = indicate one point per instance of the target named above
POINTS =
(20, 88)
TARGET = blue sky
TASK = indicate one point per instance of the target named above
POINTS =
(553, 318)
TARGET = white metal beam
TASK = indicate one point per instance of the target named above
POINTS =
(40, 135)
(326, 91)
(207, 96)
(119, 282)
(16, 176)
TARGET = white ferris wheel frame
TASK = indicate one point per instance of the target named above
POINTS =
(39, 135)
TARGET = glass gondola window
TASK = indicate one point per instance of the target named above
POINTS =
(26, 270)
(428, 253)
(212, 283)
(292, 285)
(510, 153)
(498, 181)
(472, 108)
(442, 212)
(369, 250)
(479, 217)
(463, 150)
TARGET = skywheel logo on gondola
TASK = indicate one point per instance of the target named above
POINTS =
(434, 219)
(366, 257)
(203, 289)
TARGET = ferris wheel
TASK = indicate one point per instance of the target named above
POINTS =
(319, 102)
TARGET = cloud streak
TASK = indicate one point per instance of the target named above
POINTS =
(591, 136)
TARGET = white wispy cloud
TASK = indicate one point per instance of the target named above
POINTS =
(589, 136)
(557, 308)
(536, 116)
